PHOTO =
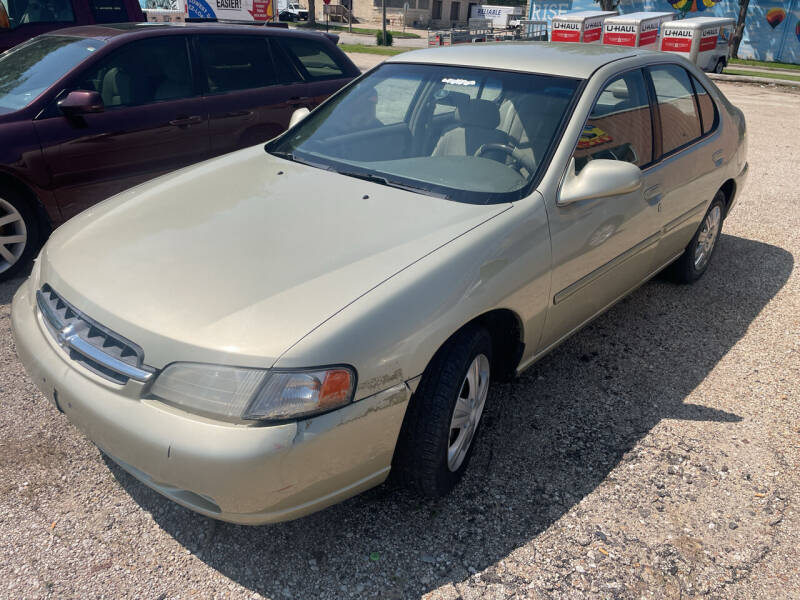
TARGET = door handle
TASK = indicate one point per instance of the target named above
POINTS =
(298, 101)
(186, 121)
(653, 194)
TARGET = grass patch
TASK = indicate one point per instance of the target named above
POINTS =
(763, 74)
(765, 64)
(382, 50)
(362, 30)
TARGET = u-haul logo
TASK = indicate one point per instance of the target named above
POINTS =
(710, 32)
(649, 26)
(595, 23)
(684, 33)
(617, 28)
(567, 25)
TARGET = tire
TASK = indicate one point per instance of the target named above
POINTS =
(19, 233)
(698, 254)
(433, 452)
(720, 66)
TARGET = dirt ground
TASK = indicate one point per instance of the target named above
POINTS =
(654, 455)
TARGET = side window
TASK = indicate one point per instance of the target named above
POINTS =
(18, 12)
(619, 126)
(5, 23)
(284, 66)
(142, 72)
(233, 63)
(680, 122)
(314, 56)
(708, 110)
(108, 11)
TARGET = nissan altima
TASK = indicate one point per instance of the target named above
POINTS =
(269, 332)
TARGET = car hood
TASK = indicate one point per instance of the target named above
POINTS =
(237, 258)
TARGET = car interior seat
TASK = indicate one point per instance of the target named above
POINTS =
(116, 88)
(476, 125)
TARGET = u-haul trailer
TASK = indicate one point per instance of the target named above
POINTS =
(639, 29)
(581, 26)
(703, 40)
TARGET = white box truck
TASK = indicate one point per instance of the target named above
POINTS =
(501, 17)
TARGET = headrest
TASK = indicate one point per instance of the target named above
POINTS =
(479, 113)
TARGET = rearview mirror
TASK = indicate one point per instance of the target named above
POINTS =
(599, 179)
(298, 115)
(81, 102)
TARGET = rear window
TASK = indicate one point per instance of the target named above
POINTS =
(108, 11)
(233, 63)
(317, 60)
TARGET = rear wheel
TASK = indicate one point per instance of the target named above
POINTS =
(695, 259)
(444, 415)
(19, 233)
(720, 66)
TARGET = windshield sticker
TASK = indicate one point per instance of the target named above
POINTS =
(453, 81)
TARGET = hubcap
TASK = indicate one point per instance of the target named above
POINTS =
(707, 238)
(13, 235)
(468, 410)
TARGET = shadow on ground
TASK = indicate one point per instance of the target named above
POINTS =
(549, 439)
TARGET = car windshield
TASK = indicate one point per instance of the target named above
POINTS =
(29, 69)
(472, 135)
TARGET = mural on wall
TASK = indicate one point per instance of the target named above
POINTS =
(687, 6)
(772, 29)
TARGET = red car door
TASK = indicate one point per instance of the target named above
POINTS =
(248, 99)
(153, 122)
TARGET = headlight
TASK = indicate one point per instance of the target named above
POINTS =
(242, 393)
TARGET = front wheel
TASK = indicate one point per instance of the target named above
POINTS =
(444, 415)
(695, 259)
(19, 233)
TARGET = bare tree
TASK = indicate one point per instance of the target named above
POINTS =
(739, 31)
(312, 12)
(608, 4)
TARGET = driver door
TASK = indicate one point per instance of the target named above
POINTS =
(604, 247)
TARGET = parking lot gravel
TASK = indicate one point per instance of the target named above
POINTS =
(653, 455)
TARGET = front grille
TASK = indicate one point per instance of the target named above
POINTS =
(95, 347)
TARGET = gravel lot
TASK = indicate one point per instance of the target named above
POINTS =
(655, 455)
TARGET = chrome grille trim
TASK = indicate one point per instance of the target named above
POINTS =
(97, 348)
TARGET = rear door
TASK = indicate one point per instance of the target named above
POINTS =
(152, 123)
(683, 181)
(245, 98)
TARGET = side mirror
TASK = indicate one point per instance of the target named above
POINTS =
(599, 179)
(81, 102)
(297, 116)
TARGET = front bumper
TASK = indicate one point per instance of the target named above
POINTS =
(239, 473)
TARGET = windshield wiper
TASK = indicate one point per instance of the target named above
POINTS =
(292, 157)
(371, 177)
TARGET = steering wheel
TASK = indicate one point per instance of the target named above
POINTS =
(516, 163)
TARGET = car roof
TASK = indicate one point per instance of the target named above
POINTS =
(547, 58)
(116, 30)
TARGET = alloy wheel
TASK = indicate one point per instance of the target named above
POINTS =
(707, 237)
(13, 235)
(468, 410)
